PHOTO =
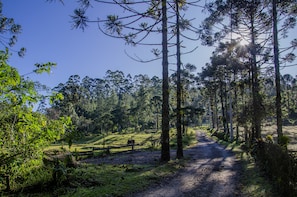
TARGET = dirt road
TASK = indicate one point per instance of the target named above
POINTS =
(212, 172)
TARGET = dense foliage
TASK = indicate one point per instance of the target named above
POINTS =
(236, 90)
(118, 102)
(24, 132)
(279, 166)
(246, 69)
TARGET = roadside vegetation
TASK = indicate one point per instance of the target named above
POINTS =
(45, 139)
(265, 175)
(70, 176)
(82, 179)
(97, 180)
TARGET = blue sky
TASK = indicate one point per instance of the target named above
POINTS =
(47, 35)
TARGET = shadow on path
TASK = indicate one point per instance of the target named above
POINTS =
(212, 171)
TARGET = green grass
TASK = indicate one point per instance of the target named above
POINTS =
(116, 180)
(271, 129)
(102, 141)
(253, 181)
(143, 141)
(290, 131)
(104, 179)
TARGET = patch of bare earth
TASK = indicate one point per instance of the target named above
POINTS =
(212, 171)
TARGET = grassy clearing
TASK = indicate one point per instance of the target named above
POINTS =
(144, 141)
(290, 131)
(102, 180)
(105, 179)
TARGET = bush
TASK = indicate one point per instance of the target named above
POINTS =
(220, 135)
(278, 165)
(30, 173)
(284, 141)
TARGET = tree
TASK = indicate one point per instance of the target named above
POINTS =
(288, 90)
(250, 21)
(179, 151)
(157, 13)
(117, 81)
(156, 105)
(9, 31)
(137, 22)
(142, 108)
(287, 8)
(165, 152)
(278, 98)
(24, 133)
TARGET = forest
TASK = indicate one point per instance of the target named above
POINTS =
(239, 98)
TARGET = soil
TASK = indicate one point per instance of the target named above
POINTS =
(212, 171)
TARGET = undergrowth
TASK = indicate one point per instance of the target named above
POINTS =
(101, 180)
(58, 179)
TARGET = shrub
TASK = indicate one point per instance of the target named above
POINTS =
(269, 138)
(220, 135)
(279, 166)
(284, 141)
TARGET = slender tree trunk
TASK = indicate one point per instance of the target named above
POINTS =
(230, 111)
(235, 101)
(226, 108)
(179, 151)
(216, 110)
(223, 108)
(211, 114)
(183, 118)
(277, 73)
(257, 111)
(165, 149)
(157, 122)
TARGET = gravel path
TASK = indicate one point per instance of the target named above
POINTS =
(212, 171)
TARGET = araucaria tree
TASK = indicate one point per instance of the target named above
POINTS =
(139, 20)
(251, 22)
(9, 31)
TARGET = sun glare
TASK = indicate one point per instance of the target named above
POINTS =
(243, 42)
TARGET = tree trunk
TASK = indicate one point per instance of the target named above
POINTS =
(230, 113)
(257, 112)
(277, 73)
(235, 102)
(165, 149)
(216, 110)
(226, 109)
(224, 119)
(179, 151)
